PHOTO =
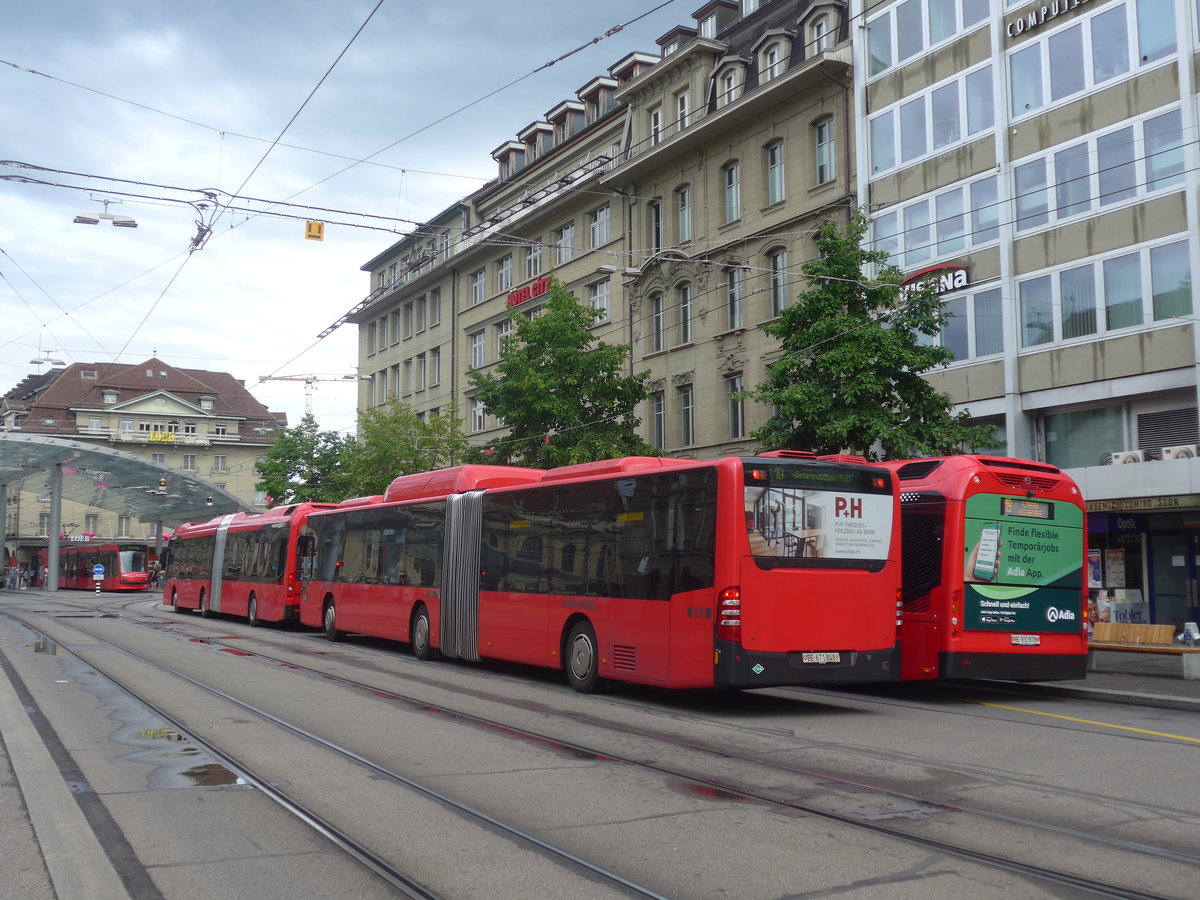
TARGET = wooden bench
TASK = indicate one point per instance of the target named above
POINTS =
(1159, 639)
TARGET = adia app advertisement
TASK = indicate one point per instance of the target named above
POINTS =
(1023, 564)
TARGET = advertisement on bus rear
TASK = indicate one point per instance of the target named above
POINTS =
(799, 523)
(1022, 564)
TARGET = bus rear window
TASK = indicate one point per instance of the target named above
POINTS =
(817, 514)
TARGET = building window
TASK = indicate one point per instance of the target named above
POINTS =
(478, 286)
(913, 27)
(564, 243)
(1127, 290)
(44, 523)
(932, 120)
(730, 88)
(733, 298)
(435, 366)
(126, 426)
(913, 234)
(382, 333)
(1092, 50)
(422, 312)
(160, 458)
(420, 373)
(683, 109)
(658, 420)
(735, 405)
(777, 266)
(189, 462)
(825, 150)
(771, 63)
(819, 32)
(654, 209)
(731, 176)
(684, 294)
(406, 377)
(708, 26)
(124, 526)
(91, 523)
(206, 403)
(503, 333)
(601, 298)
(973, 328)
(406, 316)
(220, 429)
(601, 226)
(477, 349)
(477, 415)
(220, 463)
(94, 423)
(656, 125)
(657, 323)
(110, 396)
(776, 185)
(687, 424)
(533, 261)
(683, 207)
(504, 274)
(188, 427)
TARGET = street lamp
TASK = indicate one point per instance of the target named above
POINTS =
(94, 218)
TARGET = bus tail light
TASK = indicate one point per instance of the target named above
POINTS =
(290, 582)
(729, 615)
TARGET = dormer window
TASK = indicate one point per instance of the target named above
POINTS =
(820, 34)
(772, 63)
(670, 47)
(110, 396)
(729, 87)
(206, 402)
(708, 26)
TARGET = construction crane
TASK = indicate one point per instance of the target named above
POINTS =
(310, 384)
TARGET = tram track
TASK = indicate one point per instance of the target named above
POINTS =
(730, 790)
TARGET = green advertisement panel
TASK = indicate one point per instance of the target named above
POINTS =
(1022, 564)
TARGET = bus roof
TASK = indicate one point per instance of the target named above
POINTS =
(456, 480)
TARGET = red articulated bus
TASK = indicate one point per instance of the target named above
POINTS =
(741, 572)
(125, 565)
(240, 564)
(993, 575)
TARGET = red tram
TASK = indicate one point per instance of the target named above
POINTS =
(126, 565)
(993, 570)
(240, 564)
(738, 572)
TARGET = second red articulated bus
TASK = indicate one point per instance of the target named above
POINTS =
(240, 564)
(125, 565)
(993, 570)
(740, 572)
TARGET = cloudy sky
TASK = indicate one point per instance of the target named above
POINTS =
(152, 103)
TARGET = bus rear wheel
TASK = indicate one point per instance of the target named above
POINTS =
(583, 672)
(204, 610)
(329, 621)
(175, 601)
(252, 612)
(422, 640)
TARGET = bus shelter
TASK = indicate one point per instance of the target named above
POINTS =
(107, 479)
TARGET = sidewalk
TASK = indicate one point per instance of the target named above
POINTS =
(1137, 678)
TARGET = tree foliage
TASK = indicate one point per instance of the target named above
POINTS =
(560, 392)
(393, 440)
(304, 465)
(854, 348)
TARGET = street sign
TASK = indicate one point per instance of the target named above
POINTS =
(97, 571)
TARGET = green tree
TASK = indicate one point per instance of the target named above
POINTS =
(560, 392)
(854, 348)
(304, 465)
(393, 440)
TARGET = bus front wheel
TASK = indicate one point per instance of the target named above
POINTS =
(329, 620)
(252, 612)
(583, 671)
(422, 640)
(204, 610)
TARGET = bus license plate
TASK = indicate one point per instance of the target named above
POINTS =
(1027, 640)
(821, 657)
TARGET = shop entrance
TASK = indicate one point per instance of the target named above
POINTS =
(1173, 577)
